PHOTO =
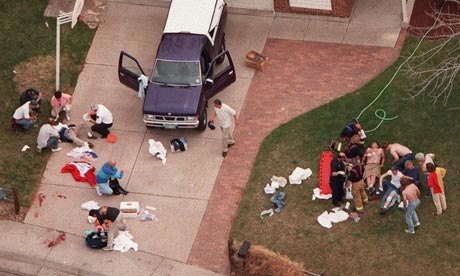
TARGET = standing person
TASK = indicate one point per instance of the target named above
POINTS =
(436, 184)
(109, 218)
(22, 115)
(107, 171)
(354, 154)
(337, 178)
(391, 188)
(411, 200)
(374, 158)
(400, 154)
(355, 177)
(48, 137)
(101, 118)
(413, 172)
(423, 160)
(224, 114)
(61, 102)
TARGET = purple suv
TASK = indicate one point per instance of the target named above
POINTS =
(191, 66)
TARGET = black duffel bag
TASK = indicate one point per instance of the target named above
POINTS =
(96, 240)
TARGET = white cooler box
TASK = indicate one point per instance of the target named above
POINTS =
(130, 209)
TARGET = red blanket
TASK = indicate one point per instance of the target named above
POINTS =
(81, 171)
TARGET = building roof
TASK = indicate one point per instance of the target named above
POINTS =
(194, 16)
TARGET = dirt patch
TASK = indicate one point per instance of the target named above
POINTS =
(40, 72)
(262, 262)
(7, 212)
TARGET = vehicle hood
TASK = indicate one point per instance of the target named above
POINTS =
(172, 100)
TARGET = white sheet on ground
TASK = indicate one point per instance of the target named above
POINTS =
(326, 219)
(298, 175)
(124, 242)
(156, 149)
(279, 180)
(90, 205)
(317, 194)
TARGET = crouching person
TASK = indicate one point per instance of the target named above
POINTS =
(108, 170)
(357, 187)
(110, 219)
(48, 137)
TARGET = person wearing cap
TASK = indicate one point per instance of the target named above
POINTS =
(107, 171)
(391, 188)
(109, 218)
(101, 118)
(22, 115)
(226, 116)
(48, 137)
(337, 178)
(400, 154)
(61, 102)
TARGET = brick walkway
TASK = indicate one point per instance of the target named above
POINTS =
(302, 76)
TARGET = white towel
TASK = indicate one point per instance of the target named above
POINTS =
(298, 175)
(143, 83)
(156, 149)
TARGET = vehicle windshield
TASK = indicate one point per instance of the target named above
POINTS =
(179, 73)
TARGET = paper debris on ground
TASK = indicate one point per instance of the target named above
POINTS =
(90, 205)
(317, 195)
(124, 242)
(299, 174)
(158, 150)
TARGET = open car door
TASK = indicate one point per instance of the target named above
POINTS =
(220, 74)
(129, 71)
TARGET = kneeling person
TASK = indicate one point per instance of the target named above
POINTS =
(48, 137)
(109, 218)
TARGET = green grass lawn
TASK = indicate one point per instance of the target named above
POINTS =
(377, 245)
(24, 35)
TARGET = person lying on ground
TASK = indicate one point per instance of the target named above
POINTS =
(71, 133)
(391, 188)
(374, 158)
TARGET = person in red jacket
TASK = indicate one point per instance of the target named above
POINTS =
(436, 184)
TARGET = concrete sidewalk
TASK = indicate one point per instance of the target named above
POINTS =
(182, 189)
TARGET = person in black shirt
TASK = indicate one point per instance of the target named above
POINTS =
(355, 177)
(109, 218)
(337, 178)
(29, 95)
(354, 154)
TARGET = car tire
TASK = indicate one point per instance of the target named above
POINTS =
(222, 49)
(203, 120)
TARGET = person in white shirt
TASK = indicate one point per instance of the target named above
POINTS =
(391, 188)
(22, 116)
(225, 115)
(48, 137)
(101, 118)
